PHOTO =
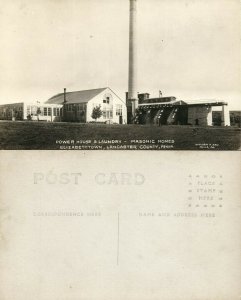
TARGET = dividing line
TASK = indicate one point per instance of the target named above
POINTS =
(118, 236)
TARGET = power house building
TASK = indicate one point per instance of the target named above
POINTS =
(170, 111)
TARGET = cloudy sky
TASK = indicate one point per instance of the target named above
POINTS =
(190, 49)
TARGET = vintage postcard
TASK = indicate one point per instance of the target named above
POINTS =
(150, 79)
(120, 75)
(120, 225)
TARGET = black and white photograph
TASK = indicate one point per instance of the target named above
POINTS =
(120, 75)
(156, 85)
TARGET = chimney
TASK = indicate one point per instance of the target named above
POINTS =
(126, 96)
(65, 95)
(132, 81)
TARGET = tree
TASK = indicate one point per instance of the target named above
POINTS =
(96, 113)
(38, 112)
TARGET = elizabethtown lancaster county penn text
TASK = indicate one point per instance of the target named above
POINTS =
(116, 144)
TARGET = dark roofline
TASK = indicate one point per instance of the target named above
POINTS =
(116, 95)
(13, 103)
(164, 97)
(104, 88)
(170, 104)
(208, 104)
(59, 94)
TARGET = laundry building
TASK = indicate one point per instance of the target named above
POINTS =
(78, 106)
(70, 107)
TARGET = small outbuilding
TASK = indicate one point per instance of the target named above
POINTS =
(31, 111)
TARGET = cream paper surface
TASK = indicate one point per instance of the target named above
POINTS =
(120, 225)
(132, 225)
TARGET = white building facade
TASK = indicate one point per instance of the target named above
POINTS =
(31, 111)
(78, 106)
(112, 107)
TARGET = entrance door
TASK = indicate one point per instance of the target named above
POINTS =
(120, 120)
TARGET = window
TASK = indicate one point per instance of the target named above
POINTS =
(49, 111)
(119, 110)
(34, 110)
(45, 111)
(107, 114)
(41, 111)
(28, 110)
(56, 111)
(81, 106)
(104, 114)
(107, 98)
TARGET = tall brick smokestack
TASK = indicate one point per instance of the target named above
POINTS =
(132, 81)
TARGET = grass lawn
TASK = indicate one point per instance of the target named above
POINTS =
(43, 135)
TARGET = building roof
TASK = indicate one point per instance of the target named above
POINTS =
(155, 101)
(207, 102)
(75, 97)
(14, 103)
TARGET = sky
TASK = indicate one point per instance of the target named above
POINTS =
(190, 49)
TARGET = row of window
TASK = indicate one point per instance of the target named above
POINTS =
(47, 111)
(107, 114)
(10, 109)
(11, 113)
(75, 107)
(42, 111)
(7, 113)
